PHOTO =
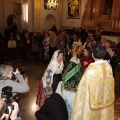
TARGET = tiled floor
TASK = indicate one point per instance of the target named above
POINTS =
(34, 71)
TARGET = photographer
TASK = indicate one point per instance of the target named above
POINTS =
(12, 113)
(6, 74)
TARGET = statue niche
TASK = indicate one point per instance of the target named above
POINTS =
(106, 7)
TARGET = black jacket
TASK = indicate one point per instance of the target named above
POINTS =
(54, 108)
(113, 63)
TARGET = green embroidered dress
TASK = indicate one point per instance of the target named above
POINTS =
(72, 76)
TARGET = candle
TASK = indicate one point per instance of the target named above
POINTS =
(86, 22)
(92, 23)
(113, 24)
(116, 24)
(119, 24)
(89, 22)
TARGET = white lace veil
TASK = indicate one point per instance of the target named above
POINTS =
(51, 67)
(54, 57)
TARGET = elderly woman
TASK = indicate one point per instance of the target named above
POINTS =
(6, 73)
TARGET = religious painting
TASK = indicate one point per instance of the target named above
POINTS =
(73, 9)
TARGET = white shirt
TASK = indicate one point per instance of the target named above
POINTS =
(11, 44)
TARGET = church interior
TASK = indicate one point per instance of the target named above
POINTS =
(37, 18)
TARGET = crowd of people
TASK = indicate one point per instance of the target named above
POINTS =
(86, 82)
(41, 44)
(79, 80)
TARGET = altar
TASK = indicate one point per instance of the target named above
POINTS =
(112, 38)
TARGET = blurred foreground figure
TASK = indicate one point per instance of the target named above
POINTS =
(54, 107)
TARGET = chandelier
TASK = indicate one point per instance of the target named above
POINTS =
(52, 5)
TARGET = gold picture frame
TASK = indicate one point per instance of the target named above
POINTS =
(73, 9)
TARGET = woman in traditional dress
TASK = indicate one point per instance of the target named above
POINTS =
(71, 78)
(52, 76)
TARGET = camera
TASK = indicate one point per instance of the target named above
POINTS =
(22, 70)
(9, 97)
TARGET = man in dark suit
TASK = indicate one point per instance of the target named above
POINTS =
(54, 107)
(97, 37)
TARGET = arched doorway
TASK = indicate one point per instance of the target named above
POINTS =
(49, 22)
(11, 19)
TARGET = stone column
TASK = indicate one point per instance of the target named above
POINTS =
(30, 15)
(37, 7)
(19, 16)
(60, 8)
